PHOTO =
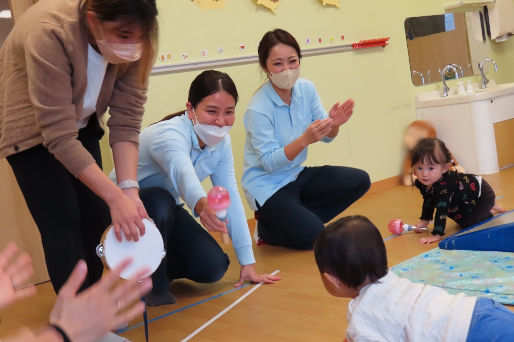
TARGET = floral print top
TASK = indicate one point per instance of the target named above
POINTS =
(453, 195)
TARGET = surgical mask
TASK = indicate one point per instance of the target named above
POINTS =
(116, 53)
(209, 134)
(285, 79)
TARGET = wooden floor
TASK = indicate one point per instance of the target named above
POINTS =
(295, 309)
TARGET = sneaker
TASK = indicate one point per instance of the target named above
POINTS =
(160, 298)
(258, 240)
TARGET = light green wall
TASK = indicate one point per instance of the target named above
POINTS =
(377, 79)
(504, 56)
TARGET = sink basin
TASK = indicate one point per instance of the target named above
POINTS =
(434, 98)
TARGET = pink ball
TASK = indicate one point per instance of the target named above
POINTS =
(395, 226)
(218, 198)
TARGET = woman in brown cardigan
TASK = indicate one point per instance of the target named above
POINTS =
(61, 66)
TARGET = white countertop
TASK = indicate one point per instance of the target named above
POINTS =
(434, 98)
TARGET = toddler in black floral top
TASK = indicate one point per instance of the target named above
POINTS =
(465, 198)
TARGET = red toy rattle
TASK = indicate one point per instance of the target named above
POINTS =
(218, 199)
(396, 226)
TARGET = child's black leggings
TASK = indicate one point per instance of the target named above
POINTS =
(483, 210)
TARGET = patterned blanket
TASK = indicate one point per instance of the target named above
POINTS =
(476, 273)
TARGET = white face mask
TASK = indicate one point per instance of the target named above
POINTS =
(209, 134)
(116, 53)
(285, 79)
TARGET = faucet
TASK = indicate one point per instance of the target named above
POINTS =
(460, 68)
(484, 82)
(415, 72)
(443, 73)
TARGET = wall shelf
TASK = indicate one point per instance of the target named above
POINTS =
(239, 60)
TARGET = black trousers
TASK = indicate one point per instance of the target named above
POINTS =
(295, 215)
(482, 211)
(70, 217)
(191, 252)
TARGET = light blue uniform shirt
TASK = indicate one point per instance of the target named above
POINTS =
(270, 125)
(170, 157)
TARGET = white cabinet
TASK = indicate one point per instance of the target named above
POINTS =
(467, 126)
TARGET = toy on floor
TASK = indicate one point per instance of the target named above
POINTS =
(416, 131)
(495, 234)
(218, 199)
(396, 226)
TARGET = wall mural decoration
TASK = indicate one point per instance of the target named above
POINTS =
(219, 49)
(270, 4)
(210, 4)
(331, 2)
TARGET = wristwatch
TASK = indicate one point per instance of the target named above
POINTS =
(128, 184)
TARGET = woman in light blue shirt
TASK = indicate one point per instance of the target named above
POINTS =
(175, 155)
(283, 118)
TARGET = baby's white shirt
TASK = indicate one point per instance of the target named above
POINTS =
(396, 309)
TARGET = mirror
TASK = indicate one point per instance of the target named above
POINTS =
(435, 41)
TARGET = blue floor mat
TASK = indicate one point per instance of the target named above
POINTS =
(476, 273)
(494, 234)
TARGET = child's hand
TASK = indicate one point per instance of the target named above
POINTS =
(421, 224)
(15, 271)
(429, 239)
